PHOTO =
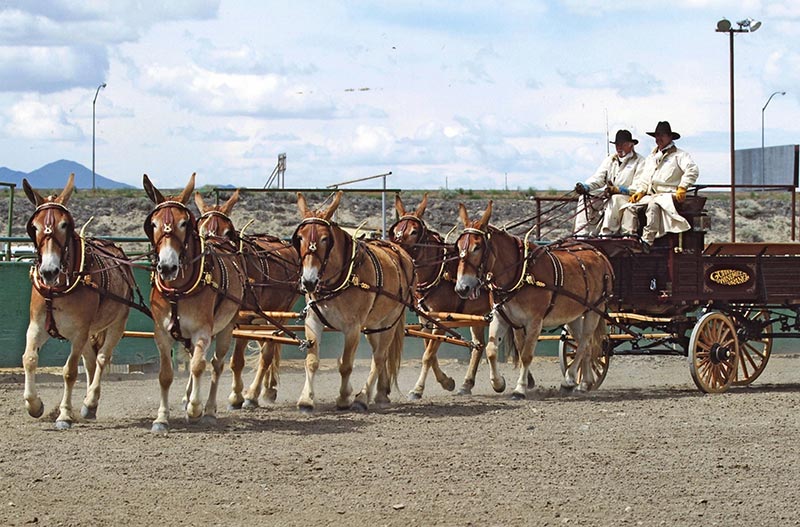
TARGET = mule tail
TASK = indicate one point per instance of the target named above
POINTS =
(600, 333)
(394, 355)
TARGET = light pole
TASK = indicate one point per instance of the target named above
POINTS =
(94, 102)
(724, 26)
(763, 182)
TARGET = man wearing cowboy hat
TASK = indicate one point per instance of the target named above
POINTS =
(601, 214)
(668, 171)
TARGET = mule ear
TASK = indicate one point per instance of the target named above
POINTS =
(398, 205)
(335, 205)
(487, 214)
(63, 198)
(33, 196)
(422, 205)
(226, 208)
(198, 200)
(462, 215)
(152, 192)
(184, 196)
(302, 206)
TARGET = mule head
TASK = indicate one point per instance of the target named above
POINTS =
(409, 230)
(215, 220)
(170, 227)
(473, 252)
(51, 228)
(314, 240)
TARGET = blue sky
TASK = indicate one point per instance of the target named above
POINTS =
(464, 94)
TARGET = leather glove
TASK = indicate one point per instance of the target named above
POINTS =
(636, 197)
(680, 195)
(581, 188)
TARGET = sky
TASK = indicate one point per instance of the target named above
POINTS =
(442, 94)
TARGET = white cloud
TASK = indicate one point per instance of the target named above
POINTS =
(32, 119)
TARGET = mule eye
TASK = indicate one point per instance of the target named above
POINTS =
(63, 225)
(182, 223)
(477, 247)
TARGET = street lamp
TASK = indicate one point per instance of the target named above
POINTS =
(747, 25)
(763, 182)
(94, 102)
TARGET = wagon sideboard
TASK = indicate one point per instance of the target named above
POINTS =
(680, 274)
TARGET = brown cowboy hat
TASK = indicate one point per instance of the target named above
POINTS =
(664, 127)
(624, 136)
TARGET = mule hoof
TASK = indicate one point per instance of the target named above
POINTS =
(210, 420)
(36, 414)
(449, 384)
(305, 408)
(233, 407)
(88, 413)
(271, 396)
(502, 387)
(160, 428)
(531, 381)
(465, 390)
(516, 396)
(63, 425)
(249, 404)
(359, 406)
(414, 396)
(567, 388)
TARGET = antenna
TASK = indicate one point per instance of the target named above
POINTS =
(608, 148)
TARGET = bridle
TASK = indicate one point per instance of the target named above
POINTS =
(463, 253)
(212, 221)
(325, 258)
(49, 227)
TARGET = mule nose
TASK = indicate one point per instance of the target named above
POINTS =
(165, 269)
(462, 290)
(49, 274)
(309, 285)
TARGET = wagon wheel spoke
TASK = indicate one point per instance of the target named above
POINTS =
(714, 353)
(601, 358)
(754, 350)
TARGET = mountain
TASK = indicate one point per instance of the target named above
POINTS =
(54, 175)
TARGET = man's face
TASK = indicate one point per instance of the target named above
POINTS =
(663, 139)
(624, 148)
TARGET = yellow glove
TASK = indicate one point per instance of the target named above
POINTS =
(680, 195)
(636, 197)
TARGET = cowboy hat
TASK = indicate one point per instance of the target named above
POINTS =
(624, 136)
(665, 128)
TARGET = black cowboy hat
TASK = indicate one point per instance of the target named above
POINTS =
(624, 136)
(664, 127)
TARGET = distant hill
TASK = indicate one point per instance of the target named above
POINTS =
(54, 175)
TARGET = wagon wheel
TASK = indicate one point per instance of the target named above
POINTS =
(714, 351)
(753, 353)
(601, 357)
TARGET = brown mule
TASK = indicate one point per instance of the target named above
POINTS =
(198, 287)
(436, 267)
(352, 286)
(82, 291)
(532, 287)
(273, 272)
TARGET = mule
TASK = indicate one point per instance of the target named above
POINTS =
(272, 267)
(82, 292)
(532, 287)
(355, 287)
(198, 287)
(436, 266)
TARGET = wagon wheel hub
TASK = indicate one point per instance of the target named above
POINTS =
(719, 353)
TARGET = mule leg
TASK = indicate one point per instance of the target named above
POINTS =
(106, 342)
(34, 340)
(165, 376)
(235, 399)
(221, 347)
(479, 338)
(498, 330)
(351, 338)
(314, 329)
(194, 406)
(70, 372)
(272, 359)
(253, 392)
(377, 372)
(585, 328)
(526, 349)
(430, 360)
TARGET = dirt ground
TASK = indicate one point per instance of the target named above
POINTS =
(645, 449)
